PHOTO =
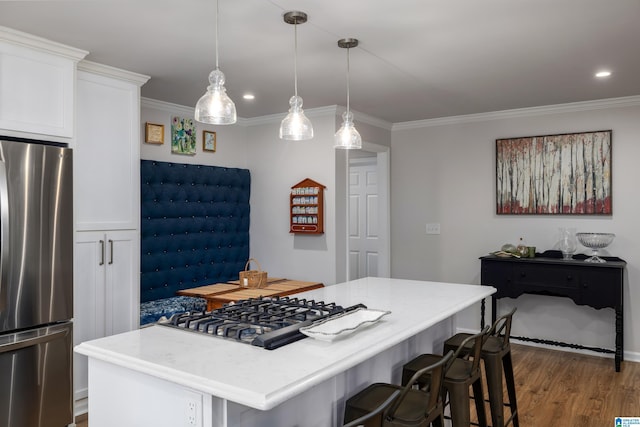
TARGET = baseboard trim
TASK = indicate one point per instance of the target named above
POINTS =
(81, 409)
(629, 356)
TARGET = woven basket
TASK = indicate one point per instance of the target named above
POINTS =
(253, 278)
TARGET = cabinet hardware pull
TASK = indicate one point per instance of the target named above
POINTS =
(110, 251)
(101, 253)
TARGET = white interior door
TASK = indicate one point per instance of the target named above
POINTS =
(364, 239)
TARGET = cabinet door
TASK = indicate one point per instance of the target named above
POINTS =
(88, 294)
(107, 153)
(601, 287)
(36, 89)
(122, 293)
(499, 275)
(106, 290)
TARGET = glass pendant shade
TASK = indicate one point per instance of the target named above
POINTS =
(348, 136)
(296, 126)
(215, 107)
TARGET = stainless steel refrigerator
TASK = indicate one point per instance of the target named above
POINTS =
(36, 285)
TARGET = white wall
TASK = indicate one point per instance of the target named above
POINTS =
(231, 149)
(444, 171)
(277, 165)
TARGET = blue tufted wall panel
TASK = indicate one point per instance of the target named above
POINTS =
(194, 227)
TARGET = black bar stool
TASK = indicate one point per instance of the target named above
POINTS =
(412, 407)
(496, 355)
(463, 372)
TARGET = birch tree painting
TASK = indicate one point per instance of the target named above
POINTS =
(557, 174)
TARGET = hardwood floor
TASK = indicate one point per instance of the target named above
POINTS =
(558, 388)
(82, 421)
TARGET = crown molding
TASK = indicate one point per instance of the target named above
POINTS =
(108, 71)
(277, 118)
(44, 45)
(573, 107)
(172, 108)
(331, 110)
(365, 118)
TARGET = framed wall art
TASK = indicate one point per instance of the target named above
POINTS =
(183, 136)
(208, 141)
(568, 174)
(153, 133)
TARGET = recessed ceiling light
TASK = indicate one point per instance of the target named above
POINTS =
(602, 74)
(249, 96)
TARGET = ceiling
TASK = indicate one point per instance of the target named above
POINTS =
(417, 59)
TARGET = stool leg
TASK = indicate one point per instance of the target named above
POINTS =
(511, 387)
(493, 369)
(459, 400)
(478, 397)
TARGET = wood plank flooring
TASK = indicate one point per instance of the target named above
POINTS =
(558, 388)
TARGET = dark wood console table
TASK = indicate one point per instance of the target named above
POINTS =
(597, 285)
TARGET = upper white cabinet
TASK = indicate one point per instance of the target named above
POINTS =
(37, 80)
(107, 148)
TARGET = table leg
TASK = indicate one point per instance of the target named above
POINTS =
(619, 337)
(482, 308)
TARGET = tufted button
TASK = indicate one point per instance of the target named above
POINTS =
(166, 285)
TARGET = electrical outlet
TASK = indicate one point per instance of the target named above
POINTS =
(193, 410)
(433, 228)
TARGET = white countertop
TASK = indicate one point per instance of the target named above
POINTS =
(262, 379)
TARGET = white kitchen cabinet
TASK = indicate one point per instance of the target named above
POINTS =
(106, 207)
(106, 291)
(37, 81)
(107, 148)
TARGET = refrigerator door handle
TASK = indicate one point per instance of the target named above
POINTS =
(30, 342)
(4, 229)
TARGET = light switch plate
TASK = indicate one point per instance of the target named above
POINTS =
(433, 228)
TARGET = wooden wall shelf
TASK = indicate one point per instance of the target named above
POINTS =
(306, 207)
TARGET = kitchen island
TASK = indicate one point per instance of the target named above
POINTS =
(162, 376)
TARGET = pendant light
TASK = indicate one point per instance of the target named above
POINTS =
(348, 136)
(295, 126)
(215, 107)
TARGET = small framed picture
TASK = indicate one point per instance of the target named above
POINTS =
(154, 133)
(208, 141)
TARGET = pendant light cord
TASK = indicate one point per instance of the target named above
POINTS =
(348, 91)
(217, 22)
(295, 58)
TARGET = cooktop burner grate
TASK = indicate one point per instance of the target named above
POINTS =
(268, 322)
